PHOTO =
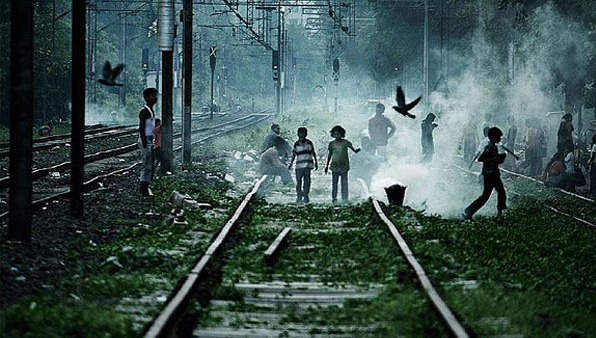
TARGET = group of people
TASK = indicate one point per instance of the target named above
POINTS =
(381, 129)
(561, 171)
(303, 154)
(366, 160)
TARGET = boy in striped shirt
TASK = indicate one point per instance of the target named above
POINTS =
(306, 159)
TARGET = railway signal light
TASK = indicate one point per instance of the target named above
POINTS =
(275, 64)
(212, 57)
(145, 59)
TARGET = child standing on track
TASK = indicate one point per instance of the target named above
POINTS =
(339, 162)
(306, 160)
(491, 158)
(146, 129)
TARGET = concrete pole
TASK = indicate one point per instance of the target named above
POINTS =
(425, 61)
(21, 120)
(77, 152)
(187, 82)
(166, 45)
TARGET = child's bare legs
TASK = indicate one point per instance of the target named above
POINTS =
(334, 180)
(306, 186)
(344, 186)
(299, 192)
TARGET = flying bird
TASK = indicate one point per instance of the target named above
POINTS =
(110, 75)
(402, 107)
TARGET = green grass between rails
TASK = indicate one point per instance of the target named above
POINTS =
(355, 251)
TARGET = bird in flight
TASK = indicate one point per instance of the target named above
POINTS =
(110, 75)
(402, 107)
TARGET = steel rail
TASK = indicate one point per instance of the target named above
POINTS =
(67, 136)
(95, 157)
(447, 316)
(513, 173)
(37, 174)
(88, 185)
(165, 321)
(571, 216)
(228, 131)
(100, 155)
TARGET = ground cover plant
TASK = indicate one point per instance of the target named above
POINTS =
(529, 273)
(544, 196)
(108, 274)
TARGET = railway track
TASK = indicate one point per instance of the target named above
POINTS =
(296, 277)
(301, 271)
(52, 182)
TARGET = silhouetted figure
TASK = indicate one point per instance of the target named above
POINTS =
(146, 133)
(402, 107)
(269, 164)
(110, 75)
(554, 171)
(490, 158)
(365, 163)
(509, 141)
(284, 150)
(565, 133)
(483, 143)
(426, 137)
(380, 130)
(534, 145)
(469, 141)
(274, 131)
(157, 145)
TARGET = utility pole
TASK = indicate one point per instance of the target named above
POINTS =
(166, 45)
(425, 66)
(186, 18)
(275, 72)
(21, 120)
(282, 59)
(336, 81)
(212, 63)
(77, 149)
(122, 92)
(278, 79)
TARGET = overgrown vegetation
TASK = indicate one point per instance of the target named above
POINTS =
(146, 258)
(341, 246)
(530, 272)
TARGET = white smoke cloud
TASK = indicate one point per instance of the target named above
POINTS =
(483, 86)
